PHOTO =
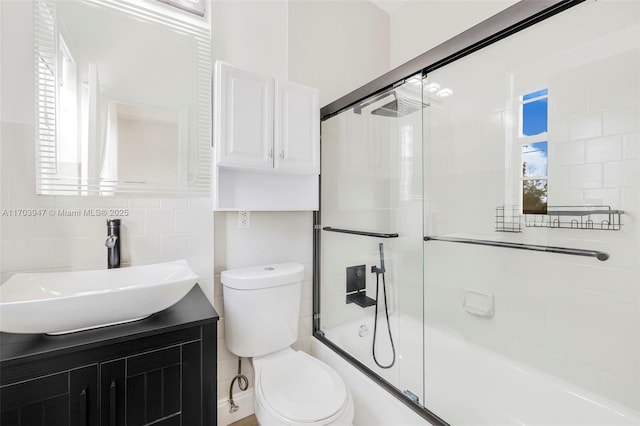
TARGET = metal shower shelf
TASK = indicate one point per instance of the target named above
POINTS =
(576, 217)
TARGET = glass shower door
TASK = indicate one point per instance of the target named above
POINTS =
(532, 267)
(371, 238)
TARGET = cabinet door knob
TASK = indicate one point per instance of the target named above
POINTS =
(270, 153)
(282, 154)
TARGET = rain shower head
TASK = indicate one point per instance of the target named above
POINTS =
(397, 107)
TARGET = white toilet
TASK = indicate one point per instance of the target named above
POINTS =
(261, 309)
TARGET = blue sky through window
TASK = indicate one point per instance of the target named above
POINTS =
(534, 117)
(536, 94)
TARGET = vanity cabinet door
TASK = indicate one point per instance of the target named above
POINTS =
(154, 387)
(66, 398)
(159, 387)
(112, 391)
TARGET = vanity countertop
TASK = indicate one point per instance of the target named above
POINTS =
(192, 310)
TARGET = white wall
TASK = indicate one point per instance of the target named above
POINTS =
(423, 24)
(251, 35)
(153, 230)
(337, 46)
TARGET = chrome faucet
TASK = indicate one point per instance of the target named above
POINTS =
(113, 243)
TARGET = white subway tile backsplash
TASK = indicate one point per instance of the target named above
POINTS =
(144, 203)
(599, 196)
(585, 176)
(200, 245)
(585, 126)
(621, 120)
(142, 249)
(174, 203)
(27, 254)
(159, 221)
(604, 149)
(567, 153)
(174, 246)
(187, 220)
(631, 146)
(606, 96)
(89, 252)
(622, 174)
(78, 226)
(200, 203)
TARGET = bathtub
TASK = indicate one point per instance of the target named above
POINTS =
(470, 385)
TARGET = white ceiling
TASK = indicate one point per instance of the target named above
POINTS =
(389, 6)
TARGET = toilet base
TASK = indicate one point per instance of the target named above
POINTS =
(265, 418)
(266, 415)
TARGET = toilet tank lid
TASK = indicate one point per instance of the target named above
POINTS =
(264, 276)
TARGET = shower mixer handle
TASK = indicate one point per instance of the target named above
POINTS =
(376, 270)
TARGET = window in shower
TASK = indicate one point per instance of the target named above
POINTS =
(534, 120)
(534, 113)
(534, 178)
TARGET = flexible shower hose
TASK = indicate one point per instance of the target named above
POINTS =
(380, 271)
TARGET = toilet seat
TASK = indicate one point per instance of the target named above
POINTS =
(297, 387)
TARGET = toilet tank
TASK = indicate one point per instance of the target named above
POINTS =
(261, 308)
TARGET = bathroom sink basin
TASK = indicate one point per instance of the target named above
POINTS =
(65, 302)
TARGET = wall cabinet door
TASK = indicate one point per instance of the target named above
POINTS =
(244, 118)
(297, 128)
(266, 124)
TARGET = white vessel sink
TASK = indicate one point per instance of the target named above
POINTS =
(65, 302)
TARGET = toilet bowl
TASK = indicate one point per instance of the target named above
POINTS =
(292, 388)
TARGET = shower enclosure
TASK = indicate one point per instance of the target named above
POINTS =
(477, 246)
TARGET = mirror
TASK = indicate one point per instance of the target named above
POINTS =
(123, 100)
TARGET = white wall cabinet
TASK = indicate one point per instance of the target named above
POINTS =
(267, 142)
(266, 124)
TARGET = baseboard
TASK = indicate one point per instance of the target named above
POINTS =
(244, 400)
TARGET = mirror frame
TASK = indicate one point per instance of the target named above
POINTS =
(48, 179)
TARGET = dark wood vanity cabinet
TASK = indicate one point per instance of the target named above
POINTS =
(65, 398)
(160, 371)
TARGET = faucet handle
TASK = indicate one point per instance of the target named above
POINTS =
(111, 241)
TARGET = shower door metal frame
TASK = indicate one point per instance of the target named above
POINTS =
(520, 16)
